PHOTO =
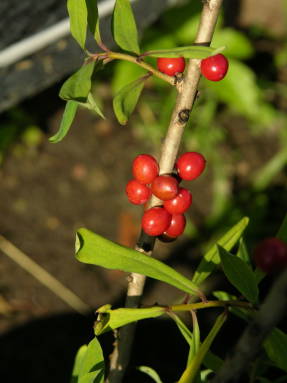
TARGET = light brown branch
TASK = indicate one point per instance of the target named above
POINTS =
(269, 315)
(185, 100)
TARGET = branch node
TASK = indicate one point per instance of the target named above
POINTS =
(183, 116)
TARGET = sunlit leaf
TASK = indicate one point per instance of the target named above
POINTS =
(192, 51)
(66, 122)
(94, 249)
(124, 27)
(211, 258)
(239, 274)
(78, 14)
(242, 251)
(109, 319)
(126, 99)
(237, 44)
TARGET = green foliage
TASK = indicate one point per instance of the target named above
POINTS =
(276, 348)
(89, 364)
(211, 258)
(239, 275)
(124, 27)
(78, 14)
(67, 119)
(191, 51)
(126, 99)
(109, 319)
(94, 249)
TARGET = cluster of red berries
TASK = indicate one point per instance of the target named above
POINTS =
(271, 255)
(167, 220)
(214, 68)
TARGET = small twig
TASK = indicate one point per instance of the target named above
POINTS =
(43, 276)
(187, 90)
(269, 315)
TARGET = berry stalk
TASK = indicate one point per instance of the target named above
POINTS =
(186, 96)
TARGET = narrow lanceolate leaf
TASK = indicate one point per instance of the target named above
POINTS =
(191, 51)
(109, 319)
(94, 249)
(151, 373)
(89, 364)
(126, 99)
(242, 252)
(78, 14)
(78, 86)
(93, 18)
(124, 27)
(211, 258)
(239, 275)
(276, 348)
(66, 122)
(191, 371)
(92, 105)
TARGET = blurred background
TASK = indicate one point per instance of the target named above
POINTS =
(49, 190)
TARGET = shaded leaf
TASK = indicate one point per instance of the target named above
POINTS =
(212, 361)
(92, 105)
(151, 373)
(94, 249)
(242, 251)
(211, 258)
(126, 99)
(192, 51)
(282, 233)
(66, 122)
(78, 86)
(78, 14)
(276, 348)
(93, 18)
(109, 319)
(239, 275)
(191, 371)
(124, 27)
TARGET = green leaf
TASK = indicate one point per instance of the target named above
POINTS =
(151, 373)
(126, 99)
(93, 249)
(124, 27)
(109, 319)
(66, 122)
(211, 258)
(282, 233)
(192, 51)
(191, 371)
(78, 14)
(239, 275)
(89, 365)
(276, 348)
(212, 361)
(78, 86)
(93, 19)
(92, 105)
(242, 252)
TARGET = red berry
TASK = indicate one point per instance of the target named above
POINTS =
(137, 193)
(190, 165)
(155, 221)
(145, 168)
(177, 226)
(171, 66)
(271, 255)
(180, 203)
(214, 68)
(164, 187)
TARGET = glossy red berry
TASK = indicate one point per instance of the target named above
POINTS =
(271, 255)
(171, 66)
(137, 193)
(214, 68)
(155, 221)
(180, 203)
(145, 168)
(190, 165)
(164, 187)
(177, 226)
